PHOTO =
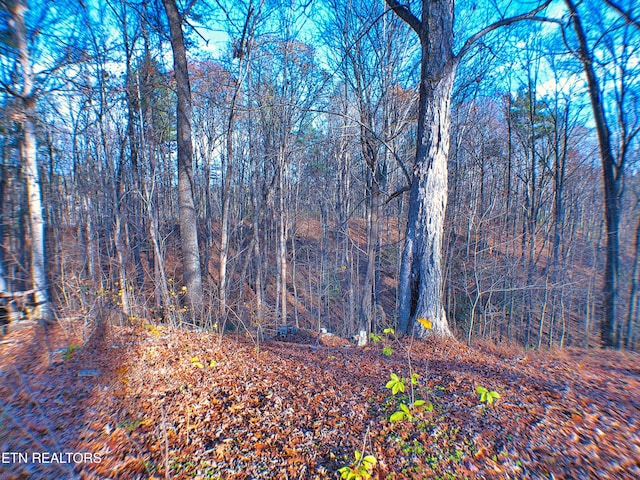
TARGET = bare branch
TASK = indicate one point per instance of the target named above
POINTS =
(397, 193)
(532, 15)
(405, 14)
(20, 294)
(10, 90)
(401, 164)
(631, 20)
(187, 9)
(189, 24)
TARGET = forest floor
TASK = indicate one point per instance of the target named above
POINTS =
(157, 402)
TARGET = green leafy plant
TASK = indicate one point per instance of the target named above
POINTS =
(487, 396)
(409, 412)
(360, 469)
(396, 384)
(67, 353)
(375, 338)
(403, 414)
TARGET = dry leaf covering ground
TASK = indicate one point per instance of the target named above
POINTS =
(153, 401)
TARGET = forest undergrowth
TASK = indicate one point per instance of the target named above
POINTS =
(150, 401)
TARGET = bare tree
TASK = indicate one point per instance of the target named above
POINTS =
(27, 97)
(242, 52)
(192, 276)
(628, 15)
(421, 277)
(613, 167)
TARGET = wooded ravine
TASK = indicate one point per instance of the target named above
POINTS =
(319, 239)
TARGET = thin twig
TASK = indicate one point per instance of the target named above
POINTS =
(166, 444)
(364, 445)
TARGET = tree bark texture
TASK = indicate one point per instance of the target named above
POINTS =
(192, 276)
(611, 175)
(42, 310)
(421, 277)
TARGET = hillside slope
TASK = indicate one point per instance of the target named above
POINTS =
(149, 401)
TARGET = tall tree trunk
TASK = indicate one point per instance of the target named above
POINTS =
(421, 271)
(242, 52)
(343, 206)
(90, 240)
(255, 221)
(612, 175)
(163, 300)
(121, 257)
(192, 276)
(561, 142)
(421, 276)
(632, 315)
(282, 239)
(420, 293)
(42, 310)
(374, 180)
(227, 172)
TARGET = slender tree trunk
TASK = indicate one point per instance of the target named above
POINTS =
(162, 296)
(612, 174)
(42, 310)
(242, 53)
(226, 203)
(561, 142)
(91, 247)
(4, 177)
(192, 276)
(123, 291)
(282, 239)
(632, 316)
(257, 253)
(226, 194)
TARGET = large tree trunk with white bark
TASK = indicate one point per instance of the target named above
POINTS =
(42, 310)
